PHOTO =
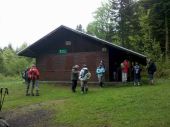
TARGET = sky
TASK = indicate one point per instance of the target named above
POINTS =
(26, 21)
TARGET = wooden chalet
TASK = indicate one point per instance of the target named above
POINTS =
(64, 47)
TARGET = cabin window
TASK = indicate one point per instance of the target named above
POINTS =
(104, 49)
(68, 43)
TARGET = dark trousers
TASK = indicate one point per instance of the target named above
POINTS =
(74, 85)
(27, 82)
(33, 85)
(84, 87)
(136, 78)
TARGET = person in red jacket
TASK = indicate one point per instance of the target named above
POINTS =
(124, 67)
(34, 74)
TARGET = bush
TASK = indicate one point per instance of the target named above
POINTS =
(9, 78)
(163, 69)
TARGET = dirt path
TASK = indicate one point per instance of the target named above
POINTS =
(32, 116)
(37, 118)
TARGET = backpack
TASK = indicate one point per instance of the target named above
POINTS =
(84, 73)
(25, 74)
(153, 67)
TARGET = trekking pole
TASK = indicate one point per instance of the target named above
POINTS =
(1, 90)
(3, 96)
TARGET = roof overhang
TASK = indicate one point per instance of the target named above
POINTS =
(31, 51)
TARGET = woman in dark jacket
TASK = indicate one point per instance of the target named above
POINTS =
(151, 71)
(74, 77)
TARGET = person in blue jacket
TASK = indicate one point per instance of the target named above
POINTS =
(137, 70)
(100, 71)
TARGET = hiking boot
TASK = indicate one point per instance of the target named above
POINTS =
(101, 84)
(27, 92)
(82, 89)
(73, 91)
(37, 93)
(86, 90)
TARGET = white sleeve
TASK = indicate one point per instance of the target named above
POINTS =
(81, 72)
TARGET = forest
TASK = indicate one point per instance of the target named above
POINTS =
(139, 25)
(11, 64)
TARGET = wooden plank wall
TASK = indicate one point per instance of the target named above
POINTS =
(55, 67)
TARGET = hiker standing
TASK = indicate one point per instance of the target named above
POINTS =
(100, 71)
(74, 77)
(27, 80)
(115, 72)
(102, 64)
(124, 67)
(84, 76)
(151, 70)
(136, 70)
(34, 76)
(25, 75)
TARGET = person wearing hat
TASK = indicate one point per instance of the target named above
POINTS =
(84, 76)
(74, 77)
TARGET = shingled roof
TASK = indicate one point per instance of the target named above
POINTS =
(30, 51)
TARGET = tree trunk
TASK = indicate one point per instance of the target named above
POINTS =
(166, 37)
(122, 24)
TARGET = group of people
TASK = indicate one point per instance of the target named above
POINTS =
(136, 69)
(31, 77)
(84, 75)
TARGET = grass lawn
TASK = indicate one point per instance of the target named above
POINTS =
(111, 106)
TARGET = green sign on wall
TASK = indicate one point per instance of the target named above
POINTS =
(62, 51)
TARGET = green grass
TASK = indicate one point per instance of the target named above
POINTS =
(112, 106)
